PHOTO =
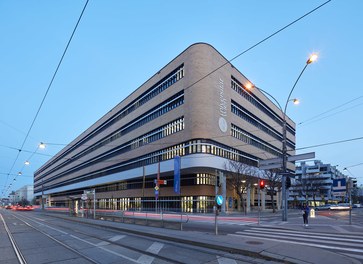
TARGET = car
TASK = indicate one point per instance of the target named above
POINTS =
(323, 207)
(340, 206)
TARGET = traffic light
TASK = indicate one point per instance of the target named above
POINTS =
(262, 184)
(288, 182)
(354, 183)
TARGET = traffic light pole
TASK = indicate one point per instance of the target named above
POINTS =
(259, 203)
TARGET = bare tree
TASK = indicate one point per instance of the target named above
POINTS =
(274, 184)
(310, 185)
(239, 180)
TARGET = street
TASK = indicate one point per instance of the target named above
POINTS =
(47, 239)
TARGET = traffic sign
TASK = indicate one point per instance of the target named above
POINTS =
(270, 161)
(271, 166)
(304, 156)
(160, 182)
(276, 163)
(219, 199)
(339, 185)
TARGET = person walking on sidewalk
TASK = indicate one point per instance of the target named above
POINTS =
(306, 211)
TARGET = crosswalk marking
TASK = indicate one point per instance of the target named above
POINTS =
(115, 238)
(155, 247)
(145, 259)
(319, 236)
(102, 244)
(222, 260)
(347, 244)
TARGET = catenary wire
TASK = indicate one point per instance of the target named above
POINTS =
(331, 143)
(333, 114)
(229, 61)
(258, 43)
(312, 119)
(48, 89)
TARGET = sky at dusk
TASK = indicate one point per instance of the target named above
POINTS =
(118, 45)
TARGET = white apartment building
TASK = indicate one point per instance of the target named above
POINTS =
(26, 192)
(313, 182)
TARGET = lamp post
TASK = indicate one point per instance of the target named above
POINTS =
(311, 59)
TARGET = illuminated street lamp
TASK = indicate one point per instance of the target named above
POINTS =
(41, 145)
(27, 162)
(249, 86)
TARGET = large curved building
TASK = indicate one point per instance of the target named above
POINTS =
(196, 107)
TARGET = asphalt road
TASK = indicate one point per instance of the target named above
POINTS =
(45, 239)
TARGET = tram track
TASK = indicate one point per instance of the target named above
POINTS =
(78, 232)
(85, 237)
(15, 247)
(18, 251)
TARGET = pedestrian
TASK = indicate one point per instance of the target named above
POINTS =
(306, 211)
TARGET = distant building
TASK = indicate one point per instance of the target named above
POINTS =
(26, 192)
(313, 182)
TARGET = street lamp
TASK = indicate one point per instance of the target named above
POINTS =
(310, 60)
(41, 145)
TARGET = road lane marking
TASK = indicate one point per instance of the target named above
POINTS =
(105, 249)
(299, 243)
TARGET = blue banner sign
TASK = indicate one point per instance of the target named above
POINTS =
(177, 174)
(339, 184)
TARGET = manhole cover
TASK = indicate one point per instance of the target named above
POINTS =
(254, 242)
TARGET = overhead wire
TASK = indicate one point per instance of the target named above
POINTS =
(331, 143)
(333, 114)
(227, 62)
(313, 119)
(258, 43)
(47, 91)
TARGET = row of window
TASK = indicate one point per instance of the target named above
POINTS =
(171, 104)
(186, 180)
(169, 80)
(206, 179)
(183, 149)
(188, 204)
(248, 138)
(243, 113)
(156, 89)
(241, 89)
(164, 131)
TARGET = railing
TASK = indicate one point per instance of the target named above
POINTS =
(163, 219)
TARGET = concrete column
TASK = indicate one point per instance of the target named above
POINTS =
(248, 200)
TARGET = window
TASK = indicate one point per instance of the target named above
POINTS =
(156, 89)
(254, 141)
(246, 115)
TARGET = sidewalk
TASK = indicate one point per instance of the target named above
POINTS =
(254, 250)
(318, 223)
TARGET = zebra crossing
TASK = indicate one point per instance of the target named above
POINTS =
(348, 244)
